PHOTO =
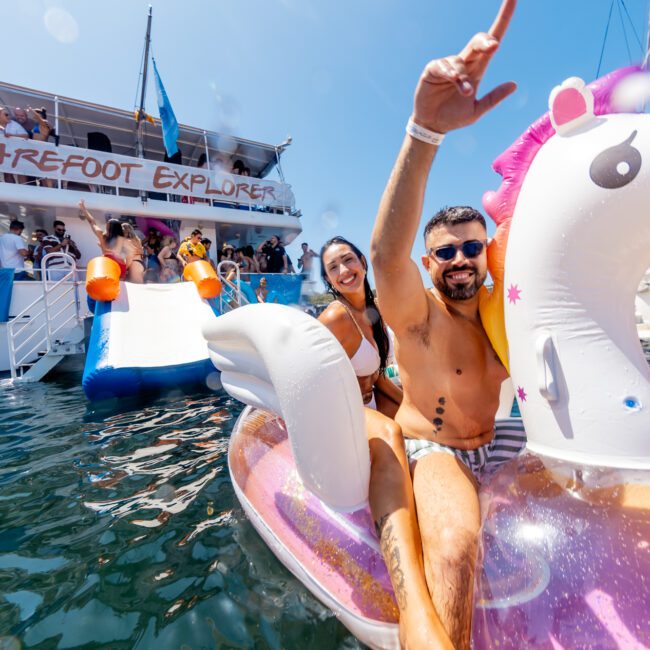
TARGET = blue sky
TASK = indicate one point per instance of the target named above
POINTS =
(337, 75)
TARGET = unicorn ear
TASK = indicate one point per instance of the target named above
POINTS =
(571, 105)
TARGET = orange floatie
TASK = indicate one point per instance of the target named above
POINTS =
(204, 277)
(103, 279)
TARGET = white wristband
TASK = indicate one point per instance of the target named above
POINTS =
(424, 135)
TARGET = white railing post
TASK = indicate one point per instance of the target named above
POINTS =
(56, 130)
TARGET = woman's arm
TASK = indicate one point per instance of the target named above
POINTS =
(44, 127)
(389, 389)
(85, 215)
(338, 321)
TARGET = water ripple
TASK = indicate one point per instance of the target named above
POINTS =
(121, 529)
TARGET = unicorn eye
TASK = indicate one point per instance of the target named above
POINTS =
(617, 166)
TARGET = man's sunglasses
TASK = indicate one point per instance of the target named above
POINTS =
(471, 248)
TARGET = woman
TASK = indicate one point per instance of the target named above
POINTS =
(167, 256)
(246, 264)
(111, 242)
(262, 292)
(135, 267)
(353, 317)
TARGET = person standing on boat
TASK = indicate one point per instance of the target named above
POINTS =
(111, 241)
(305, 261)
(192, 250)
(59, 242)
(167, 258)
(450, 373)
(152, 246)
(38, 250)
(276, 257)
(13, 250)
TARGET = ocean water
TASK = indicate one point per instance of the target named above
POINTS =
(119, 528)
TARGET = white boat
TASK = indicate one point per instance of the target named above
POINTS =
(94, 157)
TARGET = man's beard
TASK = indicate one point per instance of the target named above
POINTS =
(458, 291)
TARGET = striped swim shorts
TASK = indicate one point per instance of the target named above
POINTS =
(509, 439)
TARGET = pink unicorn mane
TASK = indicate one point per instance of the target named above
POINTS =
(514, 163)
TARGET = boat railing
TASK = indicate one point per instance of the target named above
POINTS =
(33, 331)
(231, 296)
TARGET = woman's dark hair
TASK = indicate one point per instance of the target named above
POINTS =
(378, 328)
(113, 230)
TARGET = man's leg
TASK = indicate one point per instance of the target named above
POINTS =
(393, 510)
(449, 517)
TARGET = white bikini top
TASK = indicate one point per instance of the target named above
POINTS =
(366, 360)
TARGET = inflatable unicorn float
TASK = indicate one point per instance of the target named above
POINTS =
(564, 556)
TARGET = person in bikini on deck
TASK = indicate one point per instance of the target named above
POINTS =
(134, 249)
(450, 373)
(111, 242)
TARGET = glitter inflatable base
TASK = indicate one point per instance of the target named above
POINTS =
(335, 555)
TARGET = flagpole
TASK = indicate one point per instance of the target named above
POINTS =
(141, 113)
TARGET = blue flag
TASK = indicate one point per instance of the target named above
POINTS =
(167, 117)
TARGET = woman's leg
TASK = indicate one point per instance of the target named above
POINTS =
(393, 509)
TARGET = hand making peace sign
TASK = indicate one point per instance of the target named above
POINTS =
(445, 98)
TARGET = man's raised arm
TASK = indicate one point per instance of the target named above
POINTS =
(445, 99)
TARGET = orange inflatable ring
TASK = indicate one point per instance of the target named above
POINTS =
(103, 279)
(204, 277)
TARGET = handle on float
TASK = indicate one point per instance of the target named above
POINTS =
(546, 381)
(103, 279)
(204, 277)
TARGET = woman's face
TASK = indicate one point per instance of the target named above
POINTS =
(344, 270)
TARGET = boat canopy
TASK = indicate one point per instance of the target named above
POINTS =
(116, 130)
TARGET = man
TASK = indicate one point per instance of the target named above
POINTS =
(192, 249)
(450, 373)
(59, 242)
(13, 250)
(18, 125)
(207, 244)
(276, 257)
(21, 116)
(305, 261)
(38, 250)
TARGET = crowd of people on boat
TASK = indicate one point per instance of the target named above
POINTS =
(29, 124)
(25, 259)
(152, 258)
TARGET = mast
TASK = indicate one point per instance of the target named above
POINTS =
(143, 92)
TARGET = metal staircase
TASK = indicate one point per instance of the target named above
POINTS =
(51, 327)
(231, 296)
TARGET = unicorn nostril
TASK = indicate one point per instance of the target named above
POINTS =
(632, 404)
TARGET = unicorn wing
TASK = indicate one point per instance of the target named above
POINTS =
(279, 359)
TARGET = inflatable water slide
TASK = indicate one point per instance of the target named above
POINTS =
(147, 339)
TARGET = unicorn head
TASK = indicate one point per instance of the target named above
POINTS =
(575, 199)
